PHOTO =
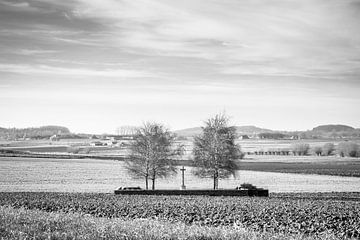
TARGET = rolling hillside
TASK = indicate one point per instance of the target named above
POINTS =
(36, 132)
(333, 128)
(189, 132)
(322, 131)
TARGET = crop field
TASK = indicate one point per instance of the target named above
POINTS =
(22, 223)
(251, 145)
(44, 142)
(305, 165)
(290, 216)
(42, 149)
(248, 145)
(269, 144)
(322, 165)
(90, 175)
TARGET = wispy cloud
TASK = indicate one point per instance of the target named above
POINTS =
(84, 72)
(30, 52)
(192, 56)
(16, 4)
(299, 39)
(229, 32)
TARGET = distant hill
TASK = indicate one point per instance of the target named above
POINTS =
(244, 130)
(189, 132)
(322, 131)
(252, 130)
(333, 128)
(36, 132)
(333, 131)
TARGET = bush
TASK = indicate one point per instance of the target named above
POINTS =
(300, 149)
(87, 150)
(328, 149)
(318, 150)
(349, 149)
(74, 150)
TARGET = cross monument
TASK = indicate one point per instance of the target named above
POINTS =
(183, 187)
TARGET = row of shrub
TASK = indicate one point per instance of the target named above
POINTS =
(343, 149)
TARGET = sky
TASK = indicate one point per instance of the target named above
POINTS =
(95, 65)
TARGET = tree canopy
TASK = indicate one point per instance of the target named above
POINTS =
(215, 150)
(152, 153)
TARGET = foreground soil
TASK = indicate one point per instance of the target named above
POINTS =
(310, 215)
(36, 224)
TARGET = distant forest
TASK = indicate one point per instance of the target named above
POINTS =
(320, 132)
(33, 133)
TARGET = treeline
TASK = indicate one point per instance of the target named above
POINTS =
(310, 135)
(343, 149)
(332, 134)
(319, 132)
(275, 135)
(33, 133)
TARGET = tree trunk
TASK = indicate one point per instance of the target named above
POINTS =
(147, 182)
(153, 183)
(216, 179)
(214, 182)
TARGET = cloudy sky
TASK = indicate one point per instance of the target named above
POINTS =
(94, 65)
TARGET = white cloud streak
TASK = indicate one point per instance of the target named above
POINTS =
(30, 52)
(233, 31)
(282, 59)
(83, 72)
(16, 4)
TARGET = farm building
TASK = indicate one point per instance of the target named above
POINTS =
(109, 142)
(243, 137)
(97, 143)
(54, 138)
(94, 137)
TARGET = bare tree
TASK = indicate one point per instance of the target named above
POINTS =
(318, 150)
(300, 149)
(328, 149)
(125, 130)
(215, 151)
(350, 149)
(152, 153)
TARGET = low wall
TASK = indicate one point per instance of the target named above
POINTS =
(219, 192)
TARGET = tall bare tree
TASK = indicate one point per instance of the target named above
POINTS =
(328, 149)
(152, 153)
(215, 150)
